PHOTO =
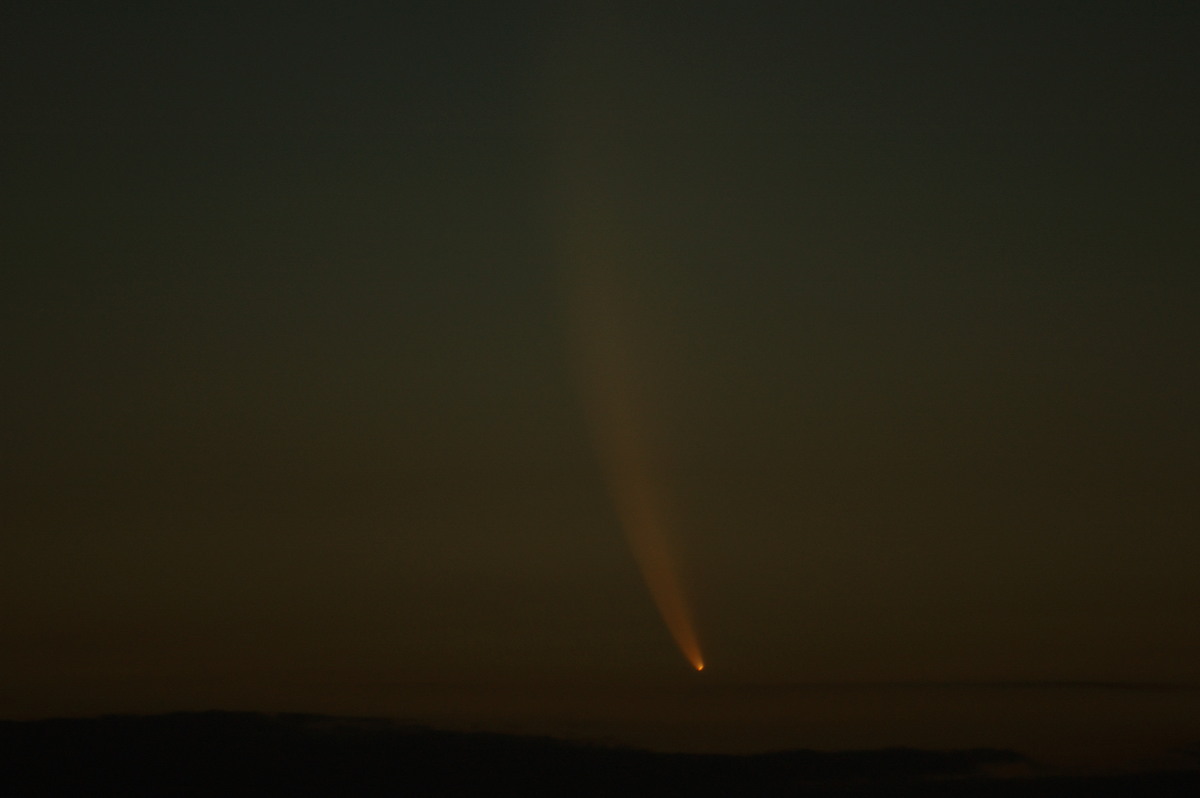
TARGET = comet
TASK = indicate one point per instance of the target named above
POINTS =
(605, 347)
(600, 237)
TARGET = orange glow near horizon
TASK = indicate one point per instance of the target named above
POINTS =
(605, 357)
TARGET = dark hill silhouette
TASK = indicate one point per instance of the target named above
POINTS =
(246, 754)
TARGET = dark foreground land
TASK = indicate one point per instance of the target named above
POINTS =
(244, 754)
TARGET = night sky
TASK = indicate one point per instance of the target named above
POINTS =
(295, 408)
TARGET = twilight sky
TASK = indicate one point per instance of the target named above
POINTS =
(295, 415)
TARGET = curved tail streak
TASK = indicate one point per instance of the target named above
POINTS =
(606, 368)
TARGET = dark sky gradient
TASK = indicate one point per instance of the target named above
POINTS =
(289, 418)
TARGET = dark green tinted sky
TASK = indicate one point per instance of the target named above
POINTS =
(289, 413)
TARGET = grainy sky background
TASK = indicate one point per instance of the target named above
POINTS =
(290, 421)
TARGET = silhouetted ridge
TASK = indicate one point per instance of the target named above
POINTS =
(246, 754)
